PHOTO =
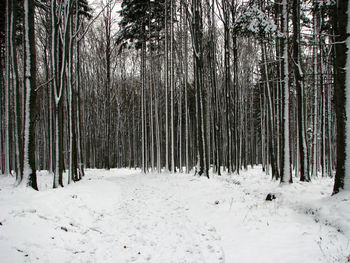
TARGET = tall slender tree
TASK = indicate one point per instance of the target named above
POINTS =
(201, 134)
(172, 83)
(29, 169)
(342, 91)
(298, 76)
(7, 88)
(286, 175)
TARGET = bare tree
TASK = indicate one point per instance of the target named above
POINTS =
(285, 169)
(29, 169)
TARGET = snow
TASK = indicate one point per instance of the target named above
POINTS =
(122, 215)
(255, 21)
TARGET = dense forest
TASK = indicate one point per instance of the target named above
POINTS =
(207, 86)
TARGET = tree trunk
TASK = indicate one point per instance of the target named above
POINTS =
(80, 158)
(315, 130)
(285, 169)
(227, 84)
(298, 74)
(7, 89)
(107, 25)
(143, 121)
(342, 88)
(17, 101)
(199, 87)
(166, 87)
(186, 95)
(270, 116)
(172, 86)
(29, 172)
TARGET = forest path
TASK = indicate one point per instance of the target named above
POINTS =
(124, 216)
(152, 224)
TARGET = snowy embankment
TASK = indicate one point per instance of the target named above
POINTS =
(124, 216)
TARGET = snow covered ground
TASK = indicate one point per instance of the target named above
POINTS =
(122, 215)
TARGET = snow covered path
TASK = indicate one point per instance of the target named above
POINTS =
(124, 216)
(149, 224)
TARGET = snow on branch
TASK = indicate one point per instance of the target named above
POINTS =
(254, 21)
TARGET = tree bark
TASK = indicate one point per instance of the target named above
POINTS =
(199, 87)
(298, 75)
(285, 169)
(342, 88)
(29, 169)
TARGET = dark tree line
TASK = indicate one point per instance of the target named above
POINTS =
(214, 85)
